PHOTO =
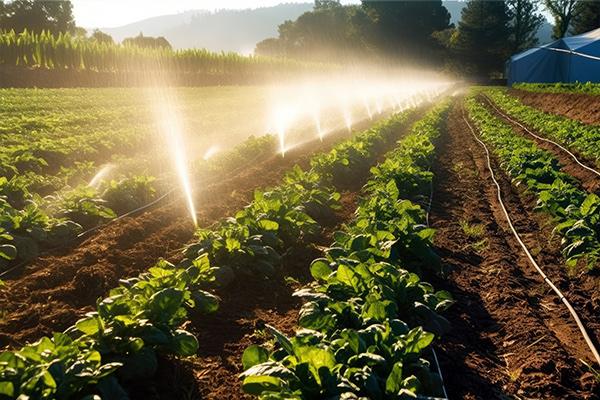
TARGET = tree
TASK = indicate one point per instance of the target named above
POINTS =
(406, 27)
(562, 12)
(101, 37)
(326, 4)
(525, 22)
(37, 15)
(147, 42)
(481, 40)
(586, 17)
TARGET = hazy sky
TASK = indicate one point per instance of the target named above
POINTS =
(111, 13)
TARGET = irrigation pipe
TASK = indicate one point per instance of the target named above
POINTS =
(586, 337)
(491, 103)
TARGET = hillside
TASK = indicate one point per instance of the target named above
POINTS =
(212, 30)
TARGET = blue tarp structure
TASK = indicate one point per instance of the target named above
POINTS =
(569, 60)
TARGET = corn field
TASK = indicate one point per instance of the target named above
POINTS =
(65, 51)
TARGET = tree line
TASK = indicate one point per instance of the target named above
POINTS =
(419, 31)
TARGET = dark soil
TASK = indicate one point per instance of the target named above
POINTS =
(511, 336)
(588, 180)
(582, 107)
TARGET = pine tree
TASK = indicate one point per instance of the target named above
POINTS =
(482, 37)
(586, 17)
(525, 22)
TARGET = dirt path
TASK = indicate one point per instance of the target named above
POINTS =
(589, 181)
(56, 289)
(511, 337)
(580, 107)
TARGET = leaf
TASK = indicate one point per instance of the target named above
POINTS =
(89, 326)
(184, 343)
(319, 269)
(166, 302)
(281, 339)
(8, 251)
(393, 383)
(7, 389)
(256, 385)
(268, 225)
(254, 355)
(206, 302)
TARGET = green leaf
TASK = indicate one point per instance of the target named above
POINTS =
(8, 251)
(281, 339)
(89, 326)
(7, 389)
(184, 343)
(254, 355)
(166, 302)
(256, 385)
(319, 269)
(206, 302)
(268, 225)
(393, 383)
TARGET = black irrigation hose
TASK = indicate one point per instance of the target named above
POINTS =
(547, 280)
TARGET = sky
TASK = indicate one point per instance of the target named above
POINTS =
(113, 13)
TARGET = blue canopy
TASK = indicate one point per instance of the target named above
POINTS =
(571, 59)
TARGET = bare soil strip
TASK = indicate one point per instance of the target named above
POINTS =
(55, 290)
(511, 336)
(581, 107)
(587, 179)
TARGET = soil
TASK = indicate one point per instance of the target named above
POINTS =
(581, 107)
(55, 290)
(587, 180)
(511, 336)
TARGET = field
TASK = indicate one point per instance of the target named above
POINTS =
(390, 248)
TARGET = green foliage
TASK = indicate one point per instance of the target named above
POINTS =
(365, 318)
(147, 42)
(82, 205)
(66, 51)
(129, 193)
(37, 16)
(483, 35)
(557, 193)
(525, 23)
(586, 17)
(582, 88)
(144, 315)
(579, 137)
(562, 12)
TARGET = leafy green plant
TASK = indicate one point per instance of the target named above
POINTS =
(129, 193)
(557, 193)
(364, 320)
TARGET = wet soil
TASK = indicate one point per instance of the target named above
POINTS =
(581, 107)
(588, 180)
(511, 336)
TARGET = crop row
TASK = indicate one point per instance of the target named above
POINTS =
(367, 320)
(29, 222)
(580, 88)
(141, 318)
(45, 50)
(576, 212)
(579, 137)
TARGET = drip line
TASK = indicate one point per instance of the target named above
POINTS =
(547, 280)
